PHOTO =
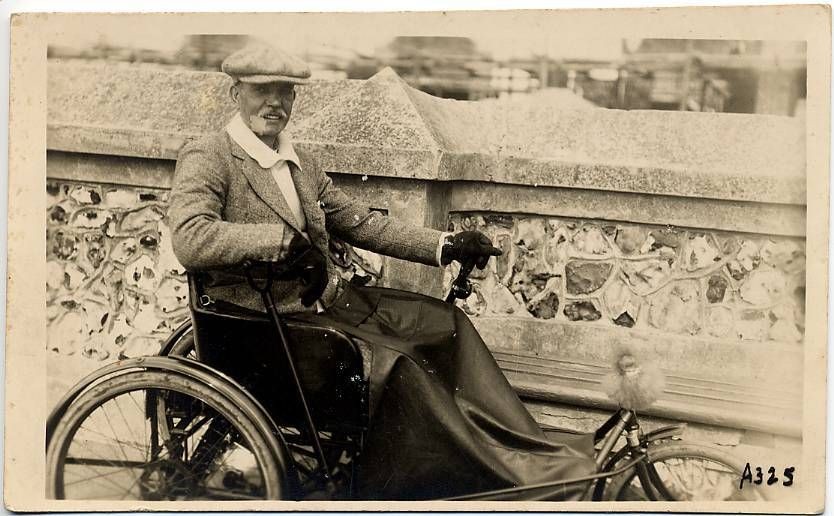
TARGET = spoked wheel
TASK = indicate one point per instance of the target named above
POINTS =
(685, 472)
(153, 435)
(308, 483)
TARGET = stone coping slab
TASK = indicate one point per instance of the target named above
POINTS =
(146, 112)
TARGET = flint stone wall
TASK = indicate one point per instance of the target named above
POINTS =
(674, 280)
(680, 235)
(114, 287)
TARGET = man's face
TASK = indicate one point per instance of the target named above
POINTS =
(265, 108)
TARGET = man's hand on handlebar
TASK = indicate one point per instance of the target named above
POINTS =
(297, 258)
(468, 245)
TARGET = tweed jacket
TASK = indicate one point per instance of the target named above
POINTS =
(225, 208)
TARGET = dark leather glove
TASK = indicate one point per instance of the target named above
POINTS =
(311, 266)
(468, 245)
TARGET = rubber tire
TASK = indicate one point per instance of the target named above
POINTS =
(108, 389)
(679, 449)
(183, 346)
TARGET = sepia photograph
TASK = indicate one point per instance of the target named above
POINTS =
(494, 257)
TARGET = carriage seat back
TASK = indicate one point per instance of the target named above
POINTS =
(245, 345)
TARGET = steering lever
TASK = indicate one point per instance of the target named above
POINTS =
(264, 288)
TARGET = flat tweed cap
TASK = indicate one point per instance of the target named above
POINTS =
(261, 63)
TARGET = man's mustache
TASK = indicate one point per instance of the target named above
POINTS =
(279, 113)
(258, 122)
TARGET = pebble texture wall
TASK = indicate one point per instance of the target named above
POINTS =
(676, 280)
(114, 287)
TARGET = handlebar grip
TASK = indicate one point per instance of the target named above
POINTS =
(274, 271)
(461, 287)
(248, 266)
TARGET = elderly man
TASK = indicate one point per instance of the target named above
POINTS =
(444, 420)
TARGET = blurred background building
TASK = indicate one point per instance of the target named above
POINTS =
(668, 74)
(697, 75)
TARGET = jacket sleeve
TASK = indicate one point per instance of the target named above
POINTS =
(359, 226)
(199, 236)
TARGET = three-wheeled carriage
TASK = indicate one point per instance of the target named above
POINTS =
(245, 405)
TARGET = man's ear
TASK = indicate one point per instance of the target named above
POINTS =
(234, 92)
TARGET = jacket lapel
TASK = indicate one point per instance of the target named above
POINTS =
(264, 185)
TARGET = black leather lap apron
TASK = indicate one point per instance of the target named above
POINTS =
(444, 419)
